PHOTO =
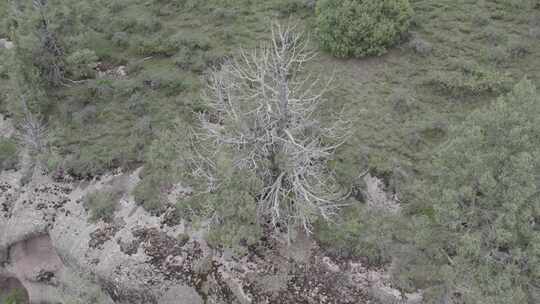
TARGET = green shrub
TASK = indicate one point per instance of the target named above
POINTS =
(81, 64)
(8, 154)
(120, 39)
(89, 157)
(191, 41)
(233, 211)
(187, 59)
(159, 174)
(102, 205)
(16, 296)
(149, 192)
(481, 205)
(360, 232)
(289, 7)
(355, 28)
(168, 46)
(159, 45)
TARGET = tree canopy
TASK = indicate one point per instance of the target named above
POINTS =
(485, 202)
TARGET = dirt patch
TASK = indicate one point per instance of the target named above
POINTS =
(31, 257)
(36, 265)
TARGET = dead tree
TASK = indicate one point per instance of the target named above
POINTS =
(263, 108)
(32, 134)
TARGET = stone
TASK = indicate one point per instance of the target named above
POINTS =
(414, 298)
(6, 44)
(420, 46)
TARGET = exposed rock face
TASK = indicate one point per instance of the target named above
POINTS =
(46, 233)
(47, 243)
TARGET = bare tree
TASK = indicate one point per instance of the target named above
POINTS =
(263, 108)
(32, 132)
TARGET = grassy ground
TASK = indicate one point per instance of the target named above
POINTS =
(403, 102)
(459, 56)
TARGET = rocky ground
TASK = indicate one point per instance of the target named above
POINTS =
(45, 238)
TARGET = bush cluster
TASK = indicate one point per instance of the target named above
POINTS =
(474, 223)
(356, 28)
(102, 205)
(82, 63)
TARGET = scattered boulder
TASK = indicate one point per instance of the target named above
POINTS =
(420, 46)
(311, 4)
(6, 44)
(378, 198)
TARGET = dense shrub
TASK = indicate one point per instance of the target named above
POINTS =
(360, 232)
(120, 39)
(233, 211)
(481, 211)
(168, 46)
(81, 64)
(289, 7)
(40, 51)
(355, 28)
(159, 45)
(159, 174)
(149, 193)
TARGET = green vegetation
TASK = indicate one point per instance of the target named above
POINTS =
(361, 232)
(231, 210)
(425, 117)
(356, 28)
(483, 204)
(102, 205)
(9, 156)
(16, 296)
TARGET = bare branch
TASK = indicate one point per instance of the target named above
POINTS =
(33, 131)
(262, 107)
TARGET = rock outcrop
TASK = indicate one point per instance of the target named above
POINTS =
(47, 243)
